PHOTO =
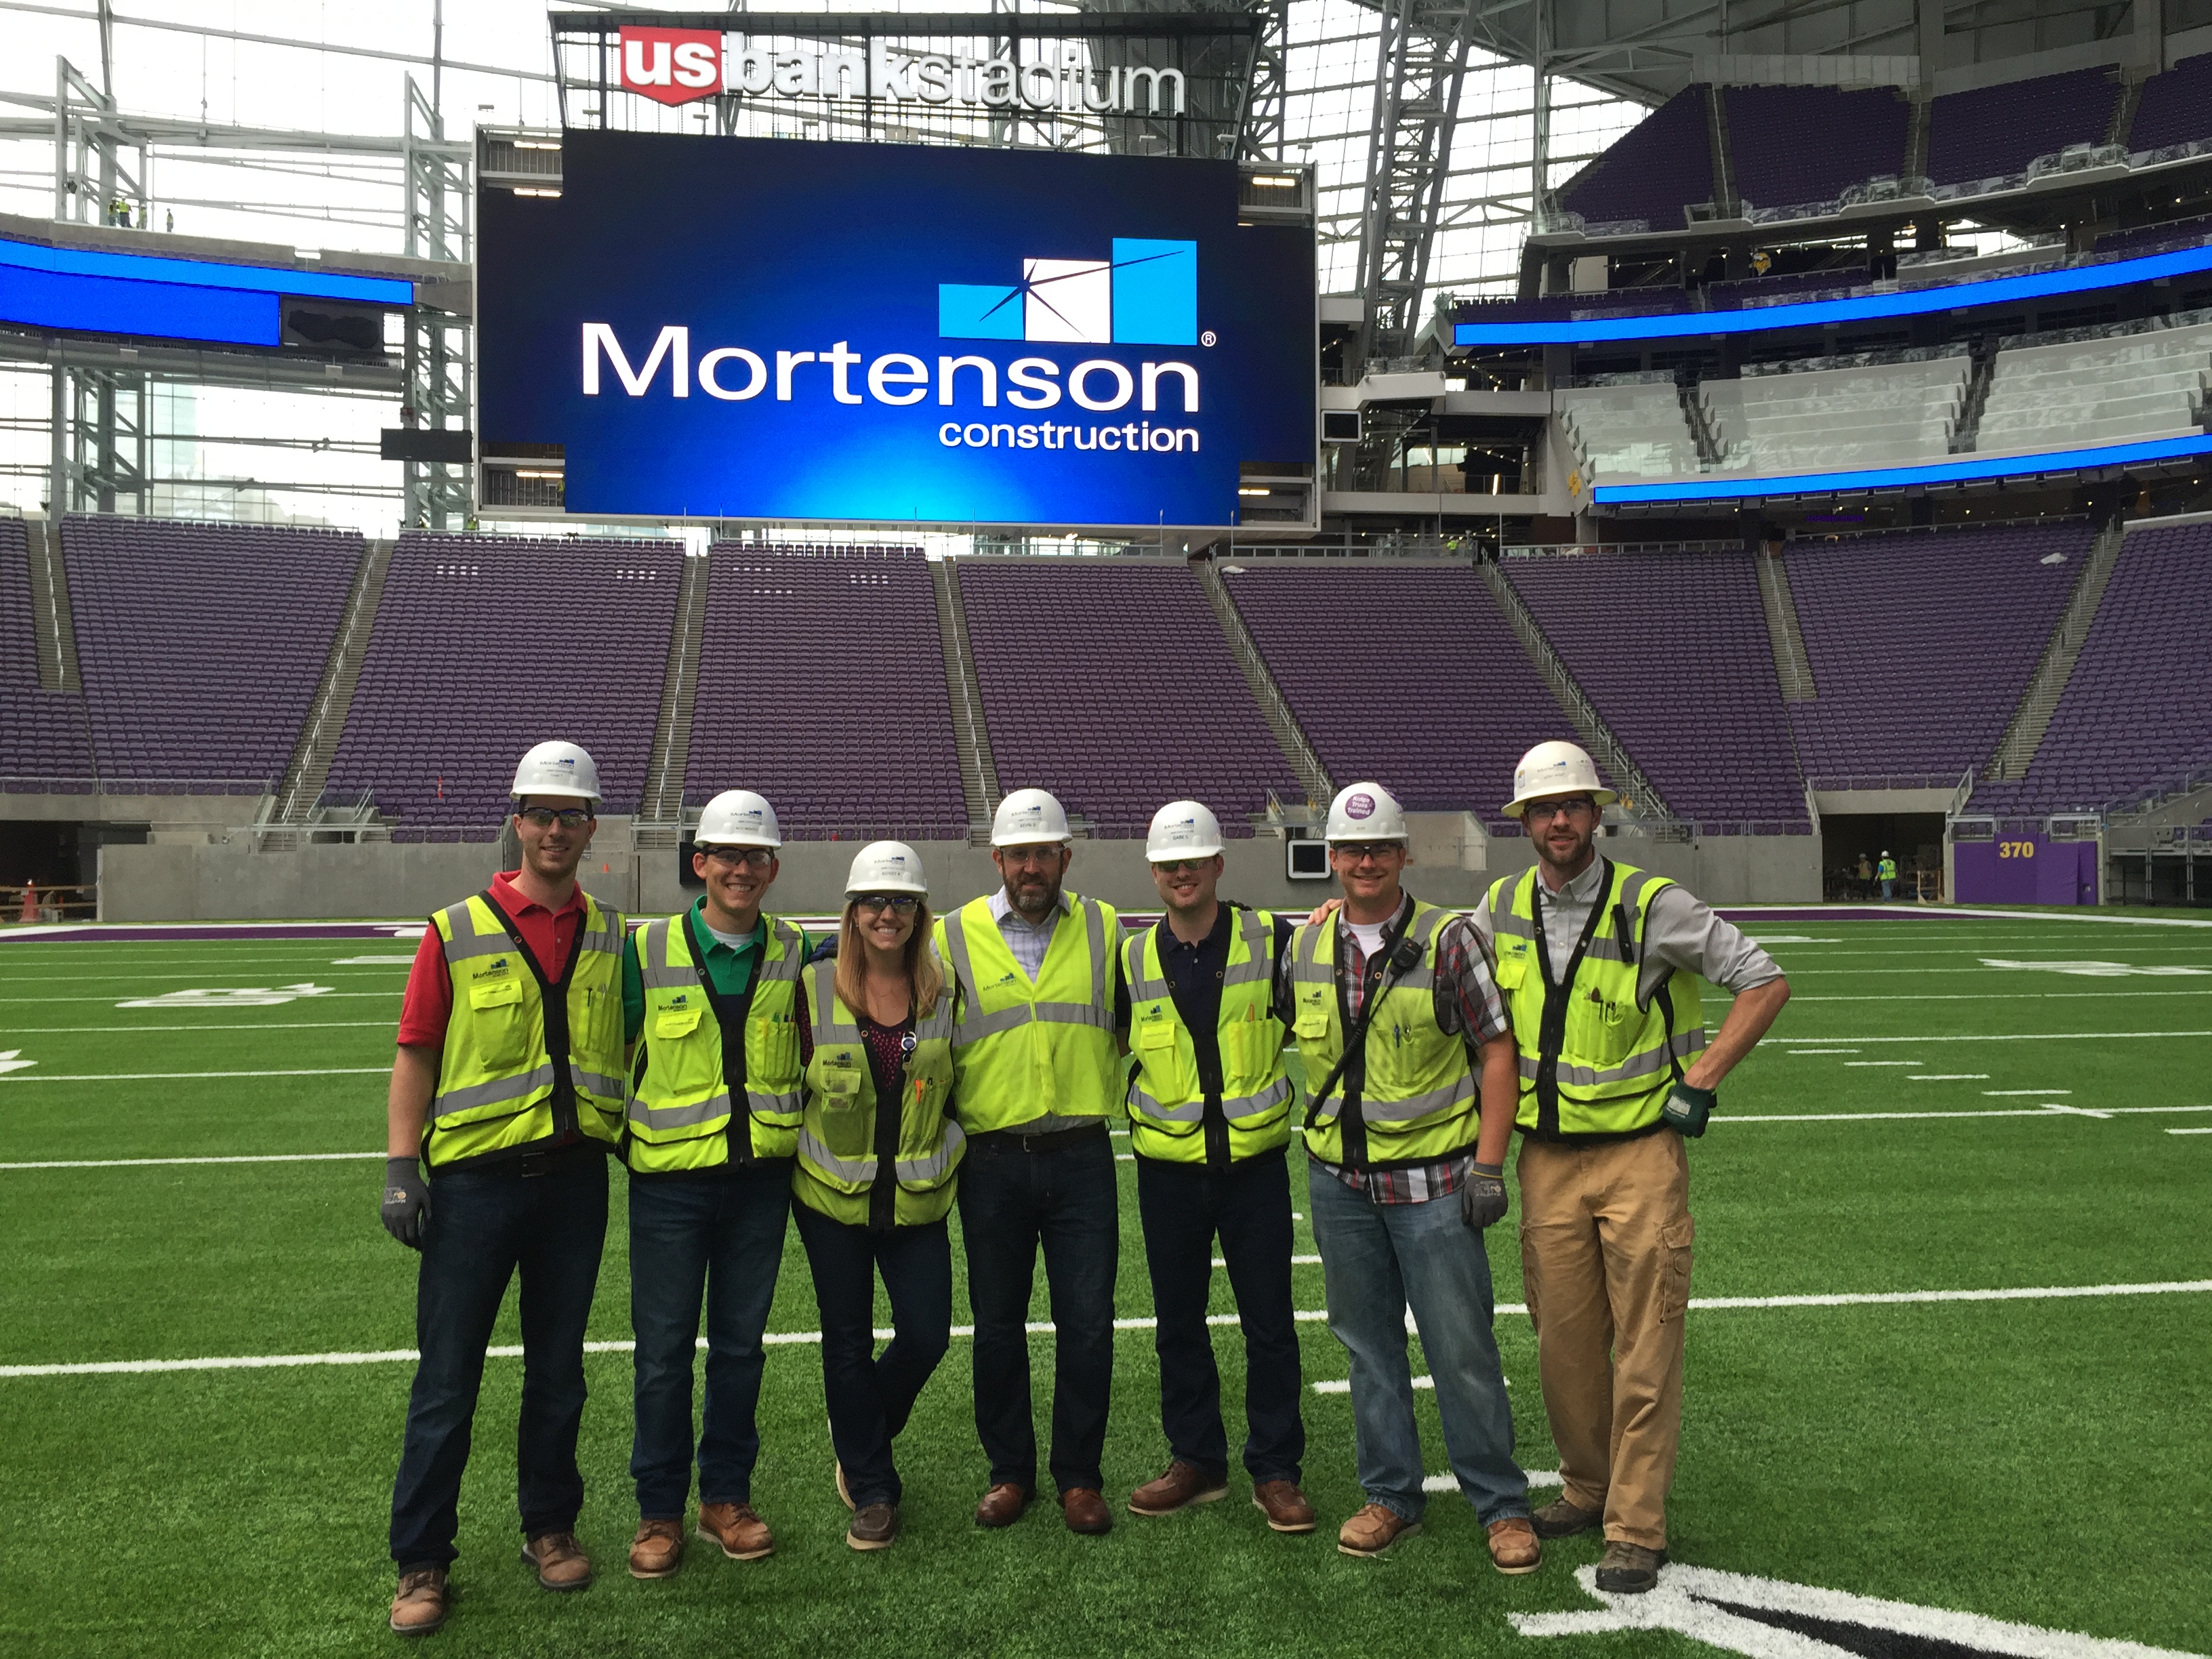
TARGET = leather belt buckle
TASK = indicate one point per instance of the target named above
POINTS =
(531, 1165)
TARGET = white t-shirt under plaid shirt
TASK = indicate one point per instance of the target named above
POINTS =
(1468, 1005)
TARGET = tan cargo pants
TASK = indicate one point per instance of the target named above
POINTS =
(1605, 1255)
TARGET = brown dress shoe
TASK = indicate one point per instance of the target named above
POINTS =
(874, 1526)
(657, 1549)
(561, 1564)
(1002, 1505)
(742, 1535)
(1179, 1487)
(1560, 1519)
(1087, 1511)
(1284, 1506)
(420, 1605)
(1514, 1547)
(1373, 1530)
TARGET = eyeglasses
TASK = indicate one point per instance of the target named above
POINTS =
(758, 857)
(898, 904)
(1542, 811)
(1040, 853)
(545, 817)
(1355, 852)
(1176, 867)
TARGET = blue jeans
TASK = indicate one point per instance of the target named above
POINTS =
(1183, 1206)
(485, 1224)
(870, 1398)
(1011, 1202)
(717, 1240)
(1376, 1259)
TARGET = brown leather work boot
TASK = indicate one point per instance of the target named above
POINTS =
(421, 1603)
(1514, 1547)
(874, 1526)
(1179, 1487)
(1560, 1519)
(1373, 1530)
(1629, 1569)
(657, 1549)
(1002, 1505)
(1284, 1506)
(1087, 1511)
(561, 1562)
(742, 1535)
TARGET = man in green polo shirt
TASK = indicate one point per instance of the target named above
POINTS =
(710, 1135)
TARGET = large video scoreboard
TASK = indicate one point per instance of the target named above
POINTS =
(775, 328)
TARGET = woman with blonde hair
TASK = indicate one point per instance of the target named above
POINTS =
(878, 1155)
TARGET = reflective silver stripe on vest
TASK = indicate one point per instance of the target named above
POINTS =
(654, 971)
(597, 1083)
(1505, 923)
(761, 1103)
(464, 941)
(1459, 1091)
(601, 939)
(793, 959)
(862, 1171)
(1643, 1065)
(1235, 1107)
(494, 1093)
(681, 1117)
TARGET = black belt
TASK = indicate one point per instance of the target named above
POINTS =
(1044, 1140)
(545, 1161)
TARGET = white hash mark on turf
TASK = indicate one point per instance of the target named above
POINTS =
(2000, 1092)
(10, 1062)
(779, 1339)
(1950, 1076)
(2087, 969)
(1885, 1062)
(369, 962)
(2189, 1132)
(1450, 1482)
(1718, 1608)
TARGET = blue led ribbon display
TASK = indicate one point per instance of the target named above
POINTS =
(1954, 296)
(1964, 469)
(207, 273)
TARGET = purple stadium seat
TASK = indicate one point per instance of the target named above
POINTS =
(45, 739)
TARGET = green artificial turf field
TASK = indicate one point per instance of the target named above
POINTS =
(2035, 1459)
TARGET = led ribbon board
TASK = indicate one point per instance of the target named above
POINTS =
(1964, 469)
(1952, 296)
(156, 297)
(761, 328)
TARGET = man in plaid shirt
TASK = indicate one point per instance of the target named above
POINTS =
(1405, 1137)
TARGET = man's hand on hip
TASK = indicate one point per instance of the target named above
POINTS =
(1482, 1199)
(1687, 1108)
(406, 1200)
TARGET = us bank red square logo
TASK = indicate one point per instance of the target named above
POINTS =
(672, 66)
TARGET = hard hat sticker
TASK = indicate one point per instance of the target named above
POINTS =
(1359, 806)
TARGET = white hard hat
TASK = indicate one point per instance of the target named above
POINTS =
(737, 818)
(1365, 811)
(1556, 769)
(1183, 830)
(887, 866)
(557, 769)
(1027, 817)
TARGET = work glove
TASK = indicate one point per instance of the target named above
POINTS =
(406, 1200)
(1687, 1108)
(1482, 1196)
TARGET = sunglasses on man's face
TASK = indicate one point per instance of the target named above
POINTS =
(1176, 867)
(898, 904)
(545, 817)
(1354, 852)
(758, 857)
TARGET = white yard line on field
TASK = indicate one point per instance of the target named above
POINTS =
(2048, 1109)
(397, 990)
(2004, 1036)
(1999, 1093)
(1949, 1077)
(2009, 996)
(142, 1162)
(226, 1028)
(780, 1339)
(2189, 1132)
(1885, 1062)
(141, 1076)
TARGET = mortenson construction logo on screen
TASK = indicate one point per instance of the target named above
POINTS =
(680, 66)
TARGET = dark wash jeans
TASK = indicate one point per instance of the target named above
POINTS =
(1183, 1206)
(485, 1224)
(871, 1397)
(1013, 1201)
(716, 1240)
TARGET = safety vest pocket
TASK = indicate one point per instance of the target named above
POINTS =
(1312, 1022)
(771, 1051)
(500, 1023)
(676, 1021)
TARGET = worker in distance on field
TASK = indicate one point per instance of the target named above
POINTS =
(506, 1091)
(709, 1001)
(1036, 1071)
(1409, 1063)
(879, 1158)
(1598, 963)
(1209, 1118)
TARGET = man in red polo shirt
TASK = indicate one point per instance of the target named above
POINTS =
(507, 1094)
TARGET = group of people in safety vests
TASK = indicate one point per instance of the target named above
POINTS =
(861, 1085)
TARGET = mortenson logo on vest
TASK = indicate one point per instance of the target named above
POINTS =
(1144, 293)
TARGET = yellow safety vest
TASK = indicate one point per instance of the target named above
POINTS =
(1167, 1108)
(1418, 1102)
(495, 1074)
(679, 1116)
(837, 1162)
(1594, 1060)
(1022, 1048)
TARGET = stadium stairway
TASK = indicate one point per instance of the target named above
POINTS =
(2023, 735)
(300, 791)
(662, 800)
(1296, 748)
(979, 772)
(1792, 666)
(1596, 736)
(49, 603)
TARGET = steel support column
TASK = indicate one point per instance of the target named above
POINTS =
(1420, 63)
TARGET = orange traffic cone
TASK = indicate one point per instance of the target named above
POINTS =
(30, 902)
